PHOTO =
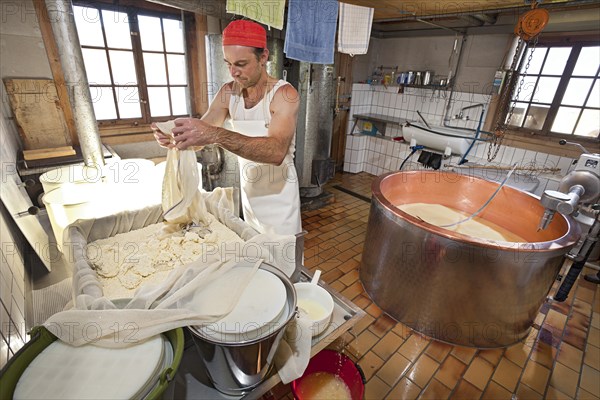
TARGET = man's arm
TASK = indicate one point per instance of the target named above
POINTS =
(270, 149)
(218, 110)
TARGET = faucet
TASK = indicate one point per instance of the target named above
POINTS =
(462, 110)
(564, 203)
(461, 115)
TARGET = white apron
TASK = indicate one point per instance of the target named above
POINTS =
(270, 194)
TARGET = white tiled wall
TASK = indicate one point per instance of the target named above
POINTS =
(12, 295)
(377, 155)
(12, 269)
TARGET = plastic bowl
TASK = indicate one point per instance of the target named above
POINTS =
(338, 364)
(316, 303)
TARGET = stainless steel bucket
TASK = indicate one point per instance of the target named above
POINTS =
(452, 287)
(236, 367)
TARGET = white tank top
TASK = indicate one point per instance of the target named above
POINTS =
(260, 111)
(270, 193)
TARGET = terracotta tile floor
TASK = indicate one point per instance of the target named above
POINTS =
(560, 359)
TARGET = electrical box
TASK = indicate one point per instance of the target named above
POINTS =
(368, 128)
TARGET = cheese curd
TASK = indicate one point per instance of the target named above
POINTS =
(129, 260)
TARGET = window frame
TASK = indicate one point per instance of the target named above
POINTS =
(136, 48)
(576, 40)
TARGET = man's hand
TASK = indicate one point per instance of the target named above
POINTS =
(163, 139)
(193, 132)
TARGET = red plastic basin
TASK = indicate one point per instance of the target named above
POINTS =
(338, 364)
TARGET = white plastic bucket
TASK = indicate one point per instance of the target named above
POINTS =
(70, 174)
(128, 171)
(73, 201)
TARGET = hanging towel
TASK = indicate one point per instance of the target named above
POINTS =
(310, 31)
(355, 29)
(268, 12)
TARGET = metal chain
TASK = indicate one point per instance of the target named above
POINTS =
(508, 106)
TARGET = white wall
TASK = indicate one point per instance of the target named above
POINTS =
(379, 154)
(482, 56)
(483, 52)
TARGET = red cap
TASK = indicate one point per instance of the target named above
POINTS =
(245, 33)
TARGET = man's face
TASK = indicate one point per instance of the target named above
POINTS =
(244, 66)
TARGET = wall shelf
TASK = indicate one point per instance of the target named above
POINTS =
(442, 87)
(379, 121)
(434, 87)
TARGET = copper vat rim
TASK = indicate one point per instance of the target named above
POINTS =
(571, 236)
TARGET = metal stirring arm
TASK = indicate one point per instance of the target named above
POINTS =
(564, 203)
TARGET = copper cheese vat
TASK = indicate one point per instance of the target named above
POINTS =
(452, 287)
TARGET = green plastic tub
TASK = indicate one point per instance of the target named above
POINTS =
(42, 338)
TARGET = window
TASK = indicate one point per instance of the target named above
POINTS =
(135, 63)
(559, 92)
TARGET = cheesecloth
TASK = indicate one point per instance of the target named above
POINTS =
(170, 304)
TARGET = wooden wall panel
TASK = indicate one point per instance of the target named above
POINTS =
(38, 114)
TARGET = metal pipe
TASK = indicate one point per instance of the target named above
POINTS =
(470, 19)
(439, 26)
(423, 119)
(449, 99)
(490, 19)
(61, 18)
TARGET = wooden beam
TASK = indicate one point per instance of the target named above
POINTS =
(41, 154)
(56, 68)
(197, 44)
(343, 63)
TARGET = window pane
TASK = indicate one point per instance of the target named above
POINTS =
(128, 101)
(123, 67)
(577, 91)
(159, 101)
(103, 102)
(594, 99)
(96, 66)
(150, 33)
(89, 28)
(156, 73)
(177, 74)
(173, 35)
(589, 124)
(116, 28)
(545, 90)
(536, 115)
(179, 100)
(536, 60)
(588, 61)
(518, 114)
(556, 60)
(526, 89)
(566, 117)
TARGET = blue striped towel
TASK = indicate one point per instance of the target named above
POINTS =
(310, 31)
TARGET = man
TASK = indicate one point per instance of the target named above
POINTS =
(263, 113)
